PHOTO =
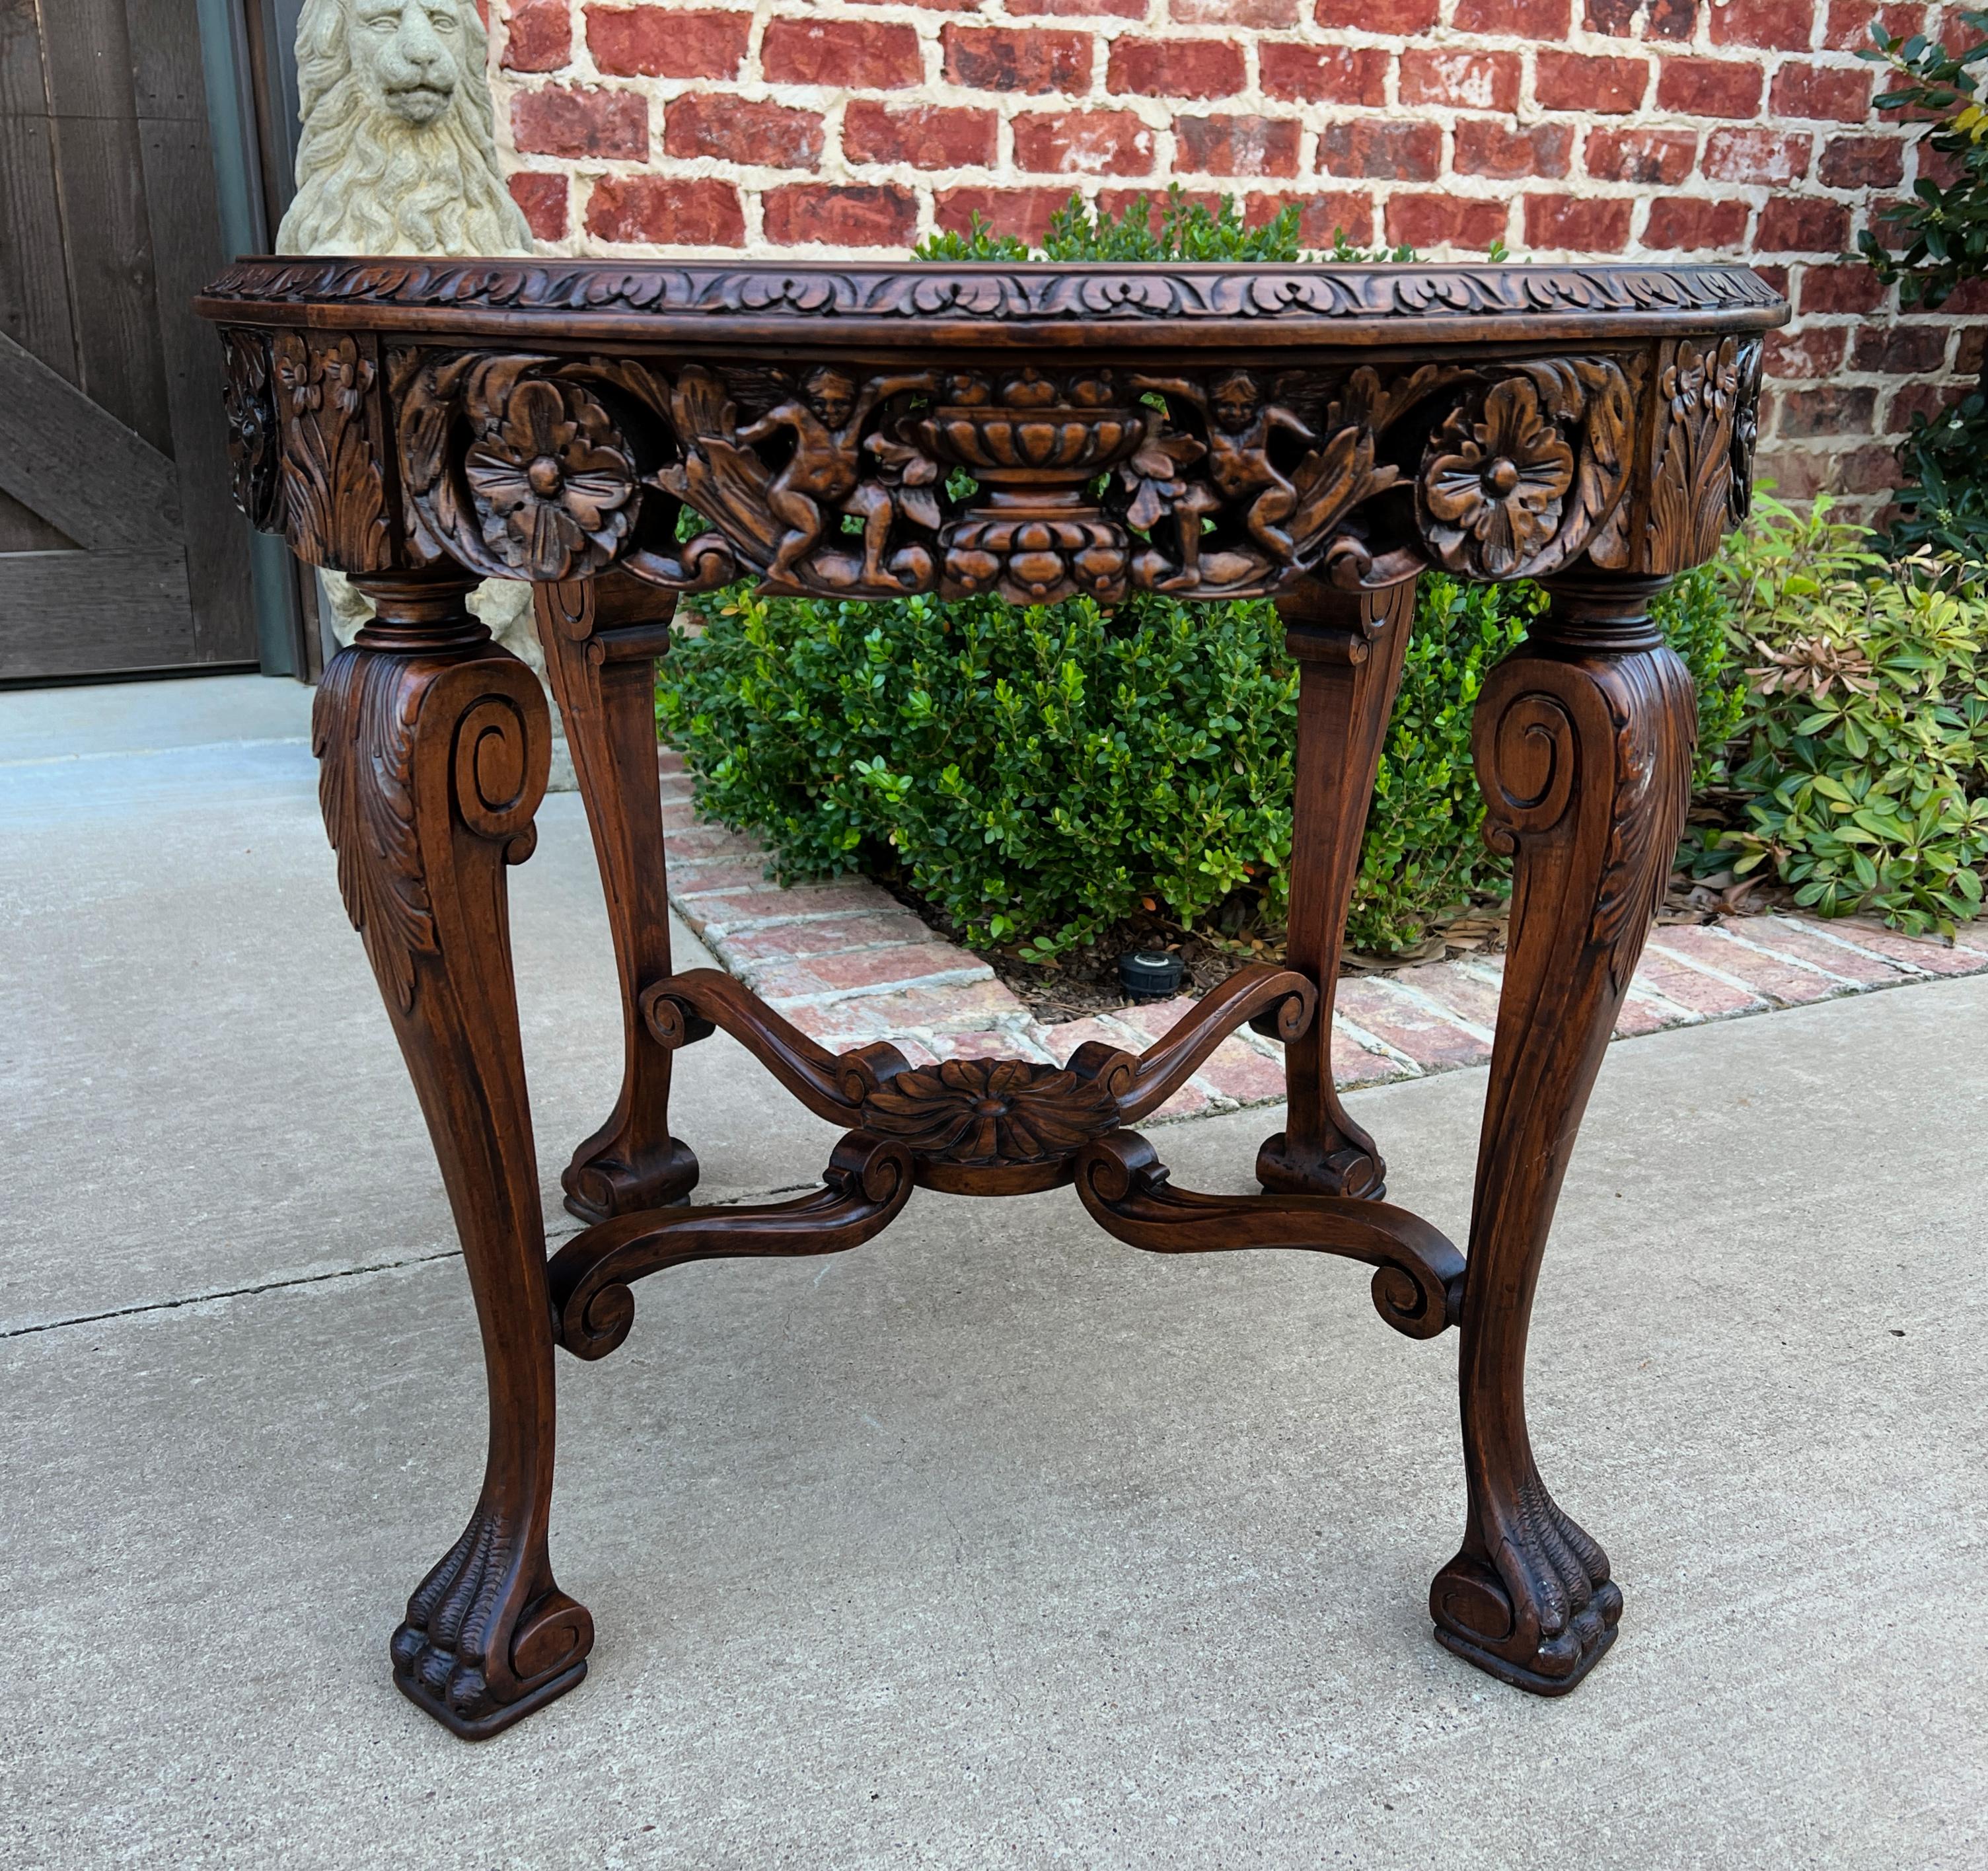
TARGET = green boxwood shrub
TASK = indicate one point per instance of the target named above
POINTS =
(1041, 774)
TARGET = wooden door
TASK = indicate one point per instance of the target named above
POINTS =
(120, 551)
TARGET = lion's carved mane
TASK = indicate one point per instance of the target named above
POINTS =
(369, 181)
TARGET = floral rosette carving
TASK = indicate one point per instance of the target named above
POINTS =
(1218, 484)
(513, 465)
(1518, 479)
(1494, 499)
(551, 486)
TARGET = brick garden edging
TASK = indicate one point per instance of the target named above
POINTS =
(847, 963)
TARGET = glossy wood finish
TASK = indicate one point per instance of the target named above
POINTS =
(434, 744)
(1583, 742)
(868, 1181)
(1419, 1282)
(981, 1127)
(1314, 435)
(1349, 647)
(601, 638)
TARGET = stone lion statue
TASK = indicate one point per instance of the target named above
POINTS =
(398, 156)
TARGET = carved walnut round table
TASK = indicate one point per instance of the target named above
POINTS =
(1317, 434)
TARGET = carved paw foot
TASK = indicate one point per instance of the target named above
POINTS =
(602, 1183)
(443, 1651)
(1540, 1612)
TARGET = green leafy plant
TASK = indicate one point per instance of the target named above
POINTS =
(1862, 762)
(1944, 225)
(1943, 506)
(1425, 852)
(1041, 773)
(1186, 231)
(1695, 617)
(1942, 230)
(1034, 771)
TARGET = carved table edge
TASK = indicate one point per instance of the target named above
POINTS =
(1093, 304)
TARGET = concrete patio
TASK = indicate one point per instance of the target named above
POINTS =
(992, 1543)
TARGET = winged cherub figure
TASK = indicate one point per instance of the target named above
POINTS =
(1240, 424)
(824, 474)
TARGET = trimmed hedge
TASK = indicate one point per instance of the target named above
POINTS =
(1041, 773)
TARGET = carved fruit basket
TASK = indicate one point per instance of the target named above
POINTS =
(619, 434)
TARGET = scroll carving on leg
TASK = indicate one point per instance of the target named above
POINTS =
(1317, 436)
(1583, 742)
(981, 1127)
(433, 745)
(601, 637)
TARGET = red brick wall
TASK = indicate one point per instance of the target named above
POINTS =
(1568, 128)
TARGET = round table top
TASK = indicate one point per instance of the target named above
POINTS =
(907, 303)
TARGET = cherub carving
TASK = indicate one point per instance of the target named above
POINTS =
(1240, 420)
(824, 474)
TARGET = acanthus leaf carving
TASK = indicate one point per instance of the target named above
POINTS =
(992, 1111)
(1746, 431)
(1641, 713)
(334, 491)
(1701, 460)
(1654, 711)
(374, 709)
(799, 294)
(363, 730)
(1211, 485)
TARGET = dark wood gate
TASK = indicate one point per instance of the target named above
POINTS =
(119, 550)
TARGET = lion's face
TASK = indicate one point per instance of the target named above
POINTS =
(408, 53)
(396, 154)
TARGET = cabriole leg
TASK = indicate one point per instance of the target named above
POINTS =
(1349, 647)
(1583, 742)
(601, 639)
(434, 743)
